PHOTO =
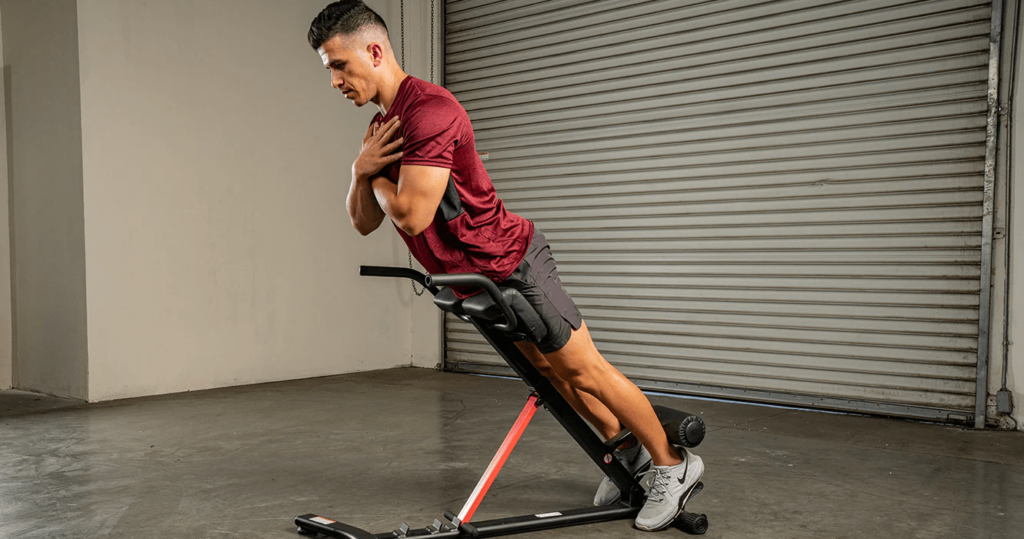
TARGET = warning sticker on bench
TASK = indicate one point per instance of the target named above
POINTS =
(548, 515)
(322, 520)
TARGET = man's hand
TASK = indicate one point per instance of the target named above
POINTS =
(378, 150)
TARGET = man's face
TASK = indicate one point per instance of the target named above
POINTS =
(351, 62)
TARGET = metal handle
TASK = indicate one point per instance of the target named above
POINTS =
(477, 280)
(385, 271)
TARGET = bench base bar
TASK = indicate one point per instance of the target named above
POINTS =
(486, 528)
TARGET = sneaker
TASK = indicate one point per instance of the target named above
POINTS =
(671, 487)
(636, 459)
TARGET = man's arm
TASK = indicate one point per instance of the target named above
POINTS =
(362, 206)
(377, 152)
(412, 203)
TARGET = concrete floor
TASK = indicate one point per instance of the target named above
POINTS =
(374, 449)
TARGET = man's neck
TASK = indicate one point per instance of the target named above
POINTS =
(390, 84)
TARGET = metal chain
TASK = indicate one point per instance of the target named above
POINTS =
(419, 292)
(431, 41)
(414, 290)
(401, 18)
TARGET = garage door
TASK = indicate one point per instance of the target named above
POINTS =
(778, 201)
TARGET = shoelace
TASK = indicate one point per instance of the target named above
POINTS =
(656, 483)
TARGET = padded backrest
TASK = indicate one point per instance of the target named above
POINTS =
(446, 300)
(529, 324)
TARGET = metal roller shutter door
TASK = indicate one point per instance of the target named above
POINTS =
(773, 200)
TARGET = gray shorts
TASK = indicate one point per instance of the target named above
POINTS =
(537, 279)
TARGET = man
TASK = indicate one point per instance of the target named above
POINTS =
(418, 166)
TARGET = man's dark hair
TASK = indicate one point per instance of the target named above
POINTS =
(345, 17)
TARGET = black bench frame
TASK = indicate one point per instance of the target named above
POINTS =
(683, 429)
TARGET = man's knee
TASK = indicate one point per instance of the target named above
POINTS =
(584, 377)
(545, 369)
(537, 359)
(581, 365)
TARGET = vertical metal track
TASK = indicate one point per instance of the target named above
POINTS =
(991, 140)
(438, 26)
(1008, 175)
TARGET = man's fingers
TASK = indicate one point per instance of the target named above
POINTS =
(383, 126)
(393, 157)
(394, 145)
(389, 129)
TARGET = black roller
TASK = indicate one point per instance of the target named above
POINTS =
(682, 428)
(693, 523)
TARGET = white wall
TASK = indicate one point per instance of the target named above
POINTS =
(45, 174)
(216, 163)
(196, 176)
(6, 344)
(1014, 234)
(1015, 371)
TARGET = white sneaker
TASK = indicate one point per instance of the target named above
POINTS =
(670, 488)
(636, 459)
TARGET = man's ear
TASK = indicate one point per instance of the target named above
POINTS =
(376, 53)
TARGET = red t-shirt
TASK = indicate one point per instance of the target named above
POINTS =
(483, 237)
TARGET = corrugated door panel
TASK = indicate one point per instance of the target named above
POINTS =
(671, 29)
(705, 47)
(775, 199)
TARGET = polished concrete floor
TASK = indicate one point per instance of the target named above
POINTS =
(374, 449)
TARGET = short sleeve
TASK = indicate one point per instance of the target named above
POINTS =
(432, 129)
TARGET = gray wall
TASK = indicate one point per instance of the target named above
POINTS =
(186, 164)
(5, 244)
(216, 163)
(1015, 371)
(44, 132)
(1013, 360)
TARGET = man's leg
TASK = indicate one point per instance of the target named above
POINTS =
(577, 369)
(631, 454)
(585, 404)
(583, 368)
